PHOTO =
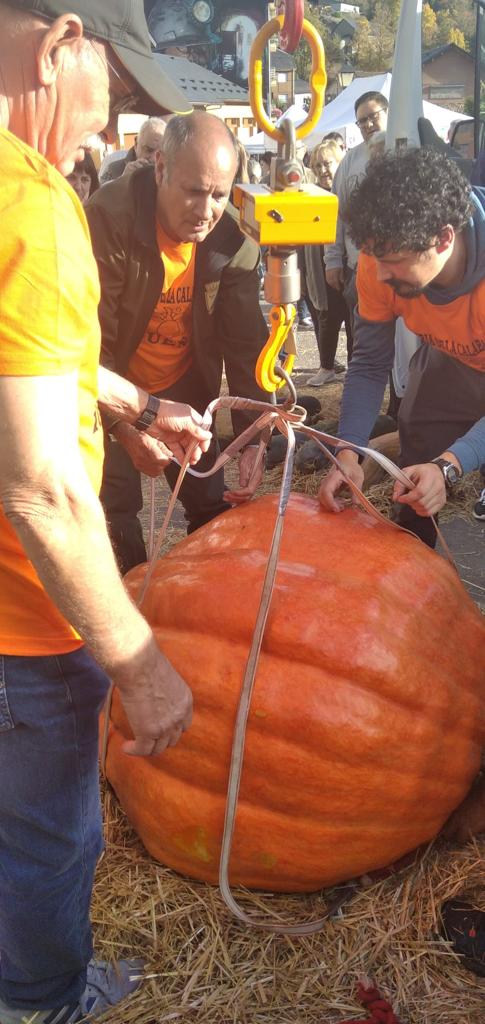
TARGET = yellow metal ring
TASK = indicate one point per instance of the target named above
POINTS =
(318, 79)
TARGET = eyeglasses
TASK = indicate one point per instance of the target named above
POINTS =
(119, 103)
(128, 100)
(370, 119)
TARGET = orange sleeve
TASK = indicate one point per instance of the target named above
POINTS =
(375, 298)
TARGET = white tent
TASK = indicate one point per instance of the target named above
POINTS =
(339, 115)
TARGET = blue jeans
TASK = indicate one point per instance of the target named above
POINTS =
(50, 824)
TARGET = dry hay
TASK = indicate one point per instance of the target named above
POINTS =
(203, 966)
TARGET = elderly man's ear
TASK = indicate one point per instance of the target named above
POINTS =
(66, 30)
(160, 167)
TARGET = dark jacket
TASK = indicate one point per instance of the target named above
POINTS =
(116, 167)
(228, 326)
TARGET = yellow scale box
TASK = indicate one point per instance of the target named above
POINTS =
(304, 217)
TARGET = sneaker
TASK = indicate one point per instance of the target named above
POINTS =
(322, 377)
(479, 507)
(306, 323)
(106, 985)
(339, 367)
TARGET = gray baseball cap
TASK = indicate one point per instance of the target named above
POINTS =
(122, 24)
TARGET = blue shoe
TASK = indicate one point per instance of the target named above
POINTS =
(107, 985)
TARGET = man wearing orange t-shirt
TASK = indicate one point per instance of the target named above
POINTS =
(67, 624)
(179, 298)
(421, 231)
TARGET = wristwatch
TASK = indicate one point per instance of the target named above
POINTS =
(449, 471)
(149, 414)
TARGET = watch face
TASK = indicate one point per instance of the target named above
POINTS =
(451, 474)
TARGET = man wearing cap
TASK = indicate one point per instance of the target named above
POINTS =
(179, 298)
(66, 71)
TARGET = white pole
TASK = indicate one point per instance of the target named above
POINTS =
(406, 96)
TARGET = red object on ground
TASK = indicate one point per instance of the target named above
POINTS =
(381, 1012)
(290, 35)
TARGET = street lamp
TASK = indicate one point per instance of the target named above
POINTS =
(345, 76)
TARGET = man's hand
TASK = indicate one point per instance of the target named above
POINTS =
(335, 278)
(177, 425)
(334, 481)
(248, 483)
(148, 455)
(428, 495)
(157, 702)
(133, 165)
(180, 428)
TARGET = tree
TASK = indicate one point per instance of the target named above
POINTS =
(303, 60)
(429, 27)
(456, 36)
(461, 15)
(388, 11)
(383, 28)
(366, 56)
(469, 107)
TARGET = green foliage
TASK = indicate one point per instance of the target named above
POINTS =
(429, 27)
(469, 107)
(454, 14)
(302, 56)
(443, 21)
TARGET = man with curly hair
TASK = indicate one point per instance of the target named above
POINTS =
(420, 227)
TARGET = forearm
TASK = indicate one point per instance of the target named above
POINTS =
(366, 380)
(64, 534)
(470, 449)
(118, 397)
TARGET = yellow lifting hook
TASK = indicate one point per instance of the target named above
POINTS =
(289, 212)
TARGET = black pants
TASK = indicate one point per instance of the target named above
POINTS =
(443, 399)
(121, 493)
(327, 324)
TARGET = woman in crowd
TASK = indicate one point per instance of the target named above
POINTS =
(327, 306)
(84, 178)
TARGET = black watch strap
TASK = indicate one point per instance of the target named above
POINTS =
(149, 413)
(449, 471)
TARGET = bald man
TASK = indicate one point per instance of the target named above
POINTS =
(179, 298)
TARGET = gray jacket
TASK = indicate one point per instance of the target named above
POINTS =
(343, 252)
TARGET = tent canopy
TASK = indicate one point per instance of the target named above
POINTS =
(339, 116)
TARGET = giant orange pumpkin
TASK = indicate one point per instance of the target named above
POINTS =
(368, 710)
